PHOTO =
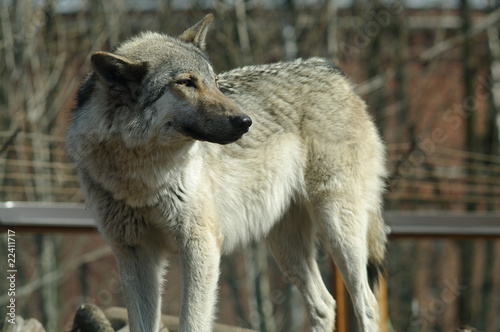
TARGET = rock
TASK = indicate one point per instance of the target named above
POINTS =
(118, 316)
(89, 318)
(466, 329)
(22, 325)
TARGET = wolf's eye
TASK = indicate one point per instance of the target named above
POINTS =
(187, 82)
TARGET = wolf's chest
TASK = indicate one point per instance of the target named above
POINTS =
(253, 192)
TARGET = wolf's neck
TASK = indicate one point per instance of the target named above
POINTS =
(141, 176)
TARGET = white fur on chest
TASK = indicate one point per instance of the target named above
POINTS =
(252, 192)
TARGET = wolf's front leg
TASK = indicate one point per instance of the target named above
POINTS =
(141, 273)
(199, 261)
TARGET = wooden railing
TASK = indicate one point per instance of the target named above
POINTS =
(59, 217)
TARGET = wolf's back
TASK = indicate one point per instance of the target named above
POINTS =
(284, 92)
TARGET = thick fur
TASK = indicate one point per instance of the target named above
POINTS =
(173, 161)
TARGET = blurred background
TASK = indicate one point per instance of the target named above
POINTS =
(429, 71)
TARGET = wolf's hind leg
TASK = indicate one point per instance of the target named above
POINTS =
(293, 244)
(343, 227)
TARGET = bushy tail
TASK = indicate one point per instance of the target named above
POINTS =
(377, 241)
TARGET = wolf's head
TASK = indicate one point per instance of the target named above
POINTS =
(158, 87)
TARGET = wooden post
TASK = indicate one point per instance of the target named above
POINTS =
(383, 305)
(342, 304)
(342, 320)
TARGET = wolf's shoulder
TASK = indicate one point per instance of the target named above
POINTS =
(291, 71)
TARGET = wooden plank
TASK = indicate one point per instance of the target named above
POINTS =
(33, 215)
(414, 223)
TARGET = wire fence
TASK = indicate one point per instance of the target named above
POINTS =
(33, 167)
(444, 179)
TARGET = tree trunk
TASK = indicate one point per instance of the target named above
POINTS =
(493, 136)
(332, 42)
(376, 100)
(49, 293)
(469, 73)
(261, 316)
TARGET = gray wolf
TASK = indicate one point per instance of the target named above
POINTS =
(176, 160)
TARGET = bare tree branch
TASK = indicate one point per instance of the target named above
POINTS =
(59, 273)
(448, 44)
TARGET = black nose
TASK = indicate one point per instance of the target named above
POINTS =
(241, 123)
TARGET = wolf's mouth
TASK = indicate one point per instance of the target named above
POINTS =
(210, 137)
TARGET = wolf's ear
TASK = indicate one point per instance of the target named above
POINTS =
(120, 75)
(197, 33)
